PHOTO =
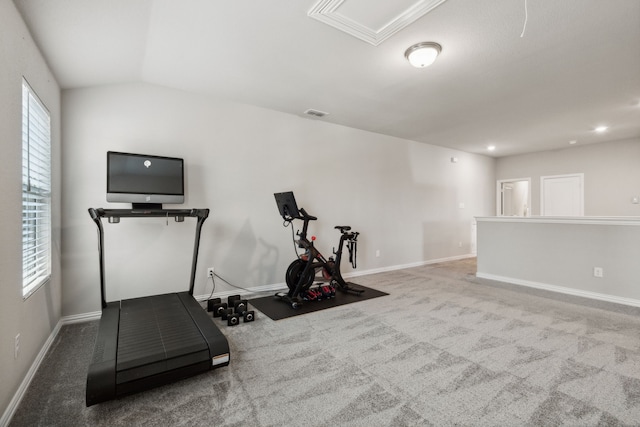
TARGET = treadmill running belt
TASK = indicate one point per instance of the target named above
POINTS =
(155, 334)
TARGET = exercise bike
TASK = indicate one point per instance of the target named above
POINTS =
(301, 273)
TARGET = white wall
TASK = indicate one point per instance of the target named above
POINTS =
(404, 197)
(611, 174)
(560, 253)
(35, 318)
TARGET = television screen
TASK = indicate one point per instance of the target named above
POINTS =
(287, 205)
(144, 179)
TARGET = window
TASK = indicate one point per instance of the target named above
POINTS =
(36, 192)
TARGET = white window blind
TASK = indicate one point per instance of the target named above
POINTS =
(36, 192)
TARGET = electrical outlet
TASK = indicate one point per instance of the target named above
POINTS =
(16, 350)
(598, 272)
(210, 272)
(378, 253)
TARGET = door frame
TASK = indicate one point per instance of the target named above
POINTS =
(499, 183)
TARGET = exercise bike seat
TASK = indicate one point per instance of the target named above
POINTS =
(342, 228)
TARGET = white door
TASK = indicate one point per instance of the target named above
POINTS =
(562, 195)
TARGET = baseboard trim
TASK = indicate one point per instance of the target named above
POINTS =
(410, 265)
(24, 385)
(561, 289)
(79, 318)
(281, 286)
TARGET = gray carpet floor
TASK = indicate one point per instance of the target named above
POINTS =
(443, 348)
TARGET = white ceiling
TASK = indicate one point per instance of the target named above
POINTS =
(577, 65)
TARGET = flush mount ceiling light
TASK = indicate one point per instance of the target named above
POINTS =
(423, 54)
(601, 129)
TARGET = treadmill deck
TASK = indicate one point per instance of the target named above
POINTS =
(146, 342)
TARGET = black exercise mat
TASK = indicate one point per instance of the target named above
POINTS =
(277, 309)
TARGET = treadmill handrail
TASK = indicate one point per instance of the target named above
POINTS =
(99, 213)
(142, 213)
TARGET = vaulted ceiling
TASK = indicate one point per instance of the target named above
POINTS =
(523, 76)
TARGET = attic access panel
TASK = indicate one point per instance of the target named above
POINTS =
(371, 24)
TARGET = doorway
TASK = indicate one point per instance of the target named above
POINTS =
(513, 197)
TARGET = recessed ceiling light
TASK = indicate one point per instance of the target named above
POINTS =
(573, 142)
(491, 147)
(601, 129)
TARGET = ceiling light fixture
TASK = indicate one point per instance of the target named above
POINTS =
(491, 147)
(601, 129)
(423, 54)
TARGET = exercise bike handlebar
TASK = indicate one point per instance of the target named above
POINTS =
(306, 216)
(344, 229)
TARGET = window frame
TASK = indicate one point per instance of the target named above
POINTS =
(36, 192)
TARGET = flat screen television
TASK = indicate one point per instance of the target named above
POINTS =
(143, 180)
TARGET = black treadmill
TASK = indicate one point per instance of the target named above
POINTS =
(150, 341)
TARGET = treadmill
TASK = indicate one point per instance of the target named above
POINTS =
(150, 341)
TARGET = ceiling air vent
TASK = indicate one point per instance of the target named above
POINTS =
(315, 113)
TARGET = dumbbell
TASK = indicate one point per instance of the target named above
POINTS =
(327, 292)
(249, 316)
(212, 302)
(219, 308)
(232, 318)
(226, 312)
(232, 299)
(241, 308)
